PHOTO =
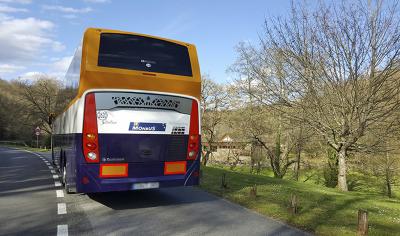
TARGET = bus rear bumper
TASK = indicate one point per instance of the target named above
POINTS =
(88, 182)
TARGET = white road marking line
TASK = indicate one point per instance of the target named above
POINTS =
(61, 208)
(60, 193)
(62, 230)
(32, 153)
(53, 171)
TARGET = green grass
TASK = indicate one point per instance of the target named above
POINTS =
(324, 211)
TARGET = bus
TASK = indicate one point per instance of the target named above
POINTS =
(133, 119)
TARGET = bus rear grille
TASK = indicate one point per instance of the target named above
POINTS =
(178, 130)
(177, 148)
(149, 101)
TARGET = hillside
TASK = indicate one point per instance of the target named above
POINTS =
(324, 211)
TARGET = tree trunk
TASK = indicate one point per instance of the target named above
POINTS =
(388, 185)
(297, 170)
(205, 158)
(342, 180)
(299, 148)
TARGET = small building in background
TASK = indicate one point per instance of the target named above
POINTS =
(223, 149)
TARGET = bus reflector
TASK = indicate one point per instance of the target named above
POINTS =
(113, 170)
(85, 180)
(175, 168)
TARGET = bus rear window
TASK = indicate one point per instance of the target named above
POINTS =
(135, 52)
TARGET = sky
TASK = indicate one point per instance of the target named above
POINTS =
(41, 36)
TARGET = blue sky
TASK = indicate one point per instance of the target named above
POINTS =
(41, 36)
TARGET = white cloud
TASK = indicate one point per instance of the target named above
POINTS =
(32, 75)
(9, 68)
(7, 9)
(4, 17)
(17, 1)
(57, 46)
(57, 69)
(23, 40)
(66, 9)
(61, 66)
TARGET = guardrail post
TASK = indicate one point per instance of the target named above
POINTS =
(253, 191)
(223, 181)
(294, 204)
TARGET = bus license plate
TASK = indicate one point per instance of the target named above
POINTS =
(146, 185)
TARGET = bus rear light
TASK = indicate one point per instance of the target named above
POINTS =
(175, 168)
(192, 154)
(91, 136)
(92, 156)
(194, 138)
(89, 139)
(91, 146)
(113, 170)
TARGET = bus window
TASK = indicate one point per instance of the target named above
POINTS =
(141, 53)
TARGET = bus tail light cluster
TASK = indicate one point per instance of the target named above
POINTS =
(194, 139)
(90, 135)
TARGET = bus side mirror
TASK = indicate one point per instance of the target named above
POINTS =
(51, 118)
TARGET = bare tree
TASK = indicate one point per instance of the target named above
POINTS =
(386, 167)
(271, 139)
(40, 99)
(213, 102)
(334, 69)
(384, 159)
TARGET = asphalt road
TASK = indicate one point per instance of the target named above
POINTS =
(31, 205)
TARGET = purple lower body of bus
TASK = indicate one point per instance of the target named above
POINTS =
(145, 156)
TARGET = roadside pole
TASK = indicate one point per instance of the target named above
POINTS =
(37, 132)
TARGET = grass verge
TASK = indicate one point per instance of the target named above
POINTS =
(324, 211)
(25, 148)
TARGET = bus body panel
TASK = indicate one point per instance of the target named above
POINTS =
(125, 146)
